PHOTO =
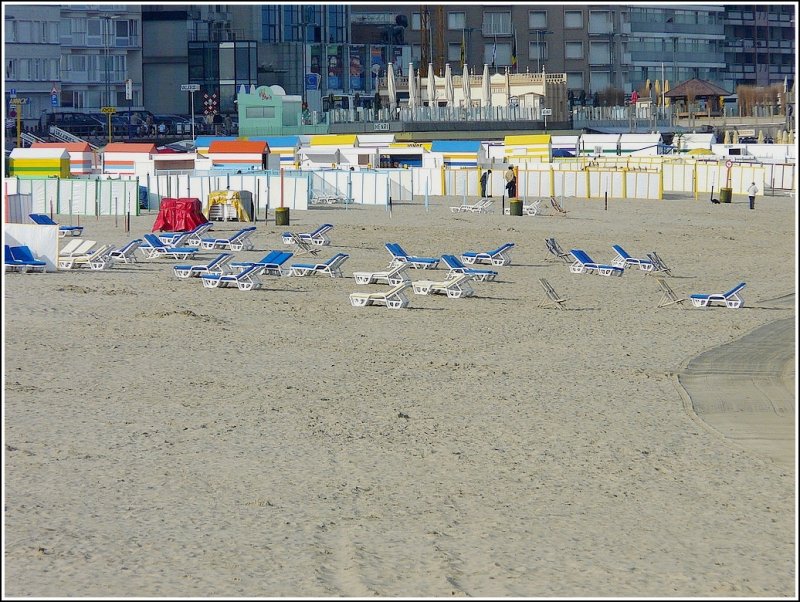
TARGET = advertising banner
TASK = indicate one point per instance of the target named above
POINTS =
(334, 66)
(357, 62)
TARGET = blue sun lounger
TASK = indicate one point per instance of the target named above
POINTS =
(318, 237)
(623, 260)
(456, 267)
(20, 259)
(215, 266)
(585, 265)
(156, 248)
(246, 280)
(732, 299)
(237, 242)
(44, 220)
(270, 264)
(400, 256)
(499, 256)
(332, 267)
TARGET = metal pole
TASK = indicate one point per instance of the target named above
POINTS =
(191, 92)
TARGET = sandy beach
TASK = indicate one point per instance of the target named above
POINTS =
(164, 439)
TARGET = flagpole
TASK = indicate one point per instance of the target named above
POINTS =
(663, 91)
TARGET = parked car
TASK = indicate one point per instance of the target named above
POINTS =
(173, 124)
(82, 125)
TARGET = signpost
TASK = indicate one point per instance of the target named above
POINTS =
(545, 114)
(191, 89)
(17, 101)
(109, 111)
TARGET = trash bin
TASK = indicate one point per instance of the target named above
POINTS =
(515, 206)
(725, 195)
(281, 216)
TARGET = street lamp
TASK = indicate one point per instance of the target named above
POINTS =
(539, 33)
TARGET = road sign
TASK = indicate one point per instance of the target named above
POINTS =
(12, 92)
(547, 112)
(54, 90)
(190, 87)
(128, 89)
(11, 113)
(108, 110)
(54, 100)
(728, 163)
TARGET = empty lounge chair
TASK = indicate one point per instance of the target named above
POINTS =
(732, 299)
(45, 220)
(499, 256)
(585, 265)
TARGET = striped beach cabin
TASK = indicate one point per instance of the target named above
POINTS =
(532, 147)
(81, 157)
(120, 158)
(239, 155)
(39, 162)
(283, 147)
(457, 153)
(202, 143)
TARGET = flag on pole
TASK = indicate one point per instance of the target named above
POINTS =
(494, 52)
(514, 52)
(463, 48)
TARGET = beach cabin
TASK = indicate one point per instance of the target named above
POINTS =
(599, 145)
(398, 154)
(535, 148)
(282, 150)
(166, 159)
(334, 150)
(120, 158)
(640, 145)
(455, 154)
(686, 142)
(81, 157)
(238, 155)
(39, 162)
(565, 146)
(202, 143)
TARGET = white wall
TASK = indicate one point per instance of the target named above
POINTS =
(41, 240)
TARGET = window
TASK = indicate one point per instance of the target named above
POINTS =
(337, 25)
(269, 23)
(456, 21)
(573, 19)
(600, 21)
(454, 52)
(497, 23)
(416, 21)
(574, 80)
(599, 53)
(501, 54)
(573, 50)
(600, 80)
(94, 32)
(416, 54)
(537, 51)
(260, 112)
(537, 19)
(11, 69)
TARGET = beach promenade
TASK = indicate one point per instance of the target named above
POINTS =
(165, 439)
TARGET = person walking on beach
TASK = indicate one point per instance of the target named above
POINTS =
(484, 180)
(511, 183)
(752, 190)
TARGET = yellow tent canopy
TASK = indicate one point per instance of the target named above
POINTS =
(238, 201)
(699, 151)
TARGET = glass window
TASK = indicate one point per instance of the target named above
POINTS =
(600, 21)
(416, 54)
(537, 51)
(416, 22)
(269, 23)
(497, 23)
(454, 52)
(573, 50)
(574, 80)
(573, 19)
(599, 53)
(599, 80)
(456, 21)
(537, 19)
(499, 55)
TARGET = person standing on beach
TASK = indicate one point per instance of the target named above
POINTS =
(484, 180)
(511, 183)
(752, 190)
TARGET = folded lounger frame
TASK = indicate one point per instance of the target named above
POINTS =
(555, 249)
(551, 297)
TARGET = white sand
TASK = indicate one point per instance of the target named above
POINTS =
(162, 439)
